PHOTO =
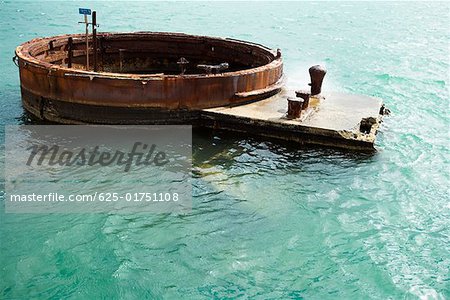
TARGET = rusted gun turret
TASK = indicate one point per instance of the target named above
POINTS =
(317, 74)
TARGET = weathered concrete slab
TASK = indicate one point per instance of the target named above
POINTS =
(333, 121)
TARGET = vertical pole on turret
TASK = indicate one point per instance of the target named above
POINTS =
(69, 52)
(94, 39)
(87, 41)
(86, 12)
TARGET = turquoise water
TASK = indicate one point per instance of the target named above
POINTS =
(269, 220)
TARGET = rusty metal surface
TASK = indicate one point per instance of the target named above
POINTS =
(295, 106)
(44, 73)
(317, 73)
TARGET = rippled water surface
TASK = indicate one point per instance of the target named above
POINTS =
(269, 220)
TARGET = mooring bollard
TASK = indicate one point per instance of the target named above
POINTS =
(295, 106)
(366, 124)
(317, 73)
(305, 96)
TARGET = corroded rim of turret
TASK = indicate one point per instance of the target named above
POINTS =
(33, 52)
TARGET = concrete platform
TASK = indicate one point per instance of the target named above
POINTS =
(331, 121)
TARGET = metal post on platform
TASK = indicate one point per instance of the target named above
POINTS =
(295, 106)
(94, 39)
(317, 73)
(305, 96)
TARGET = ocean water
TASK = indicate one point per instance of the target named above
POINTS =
(270, 220)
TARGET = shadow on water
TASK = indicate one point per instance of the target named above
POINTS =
(224, 146)
(28, 119)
